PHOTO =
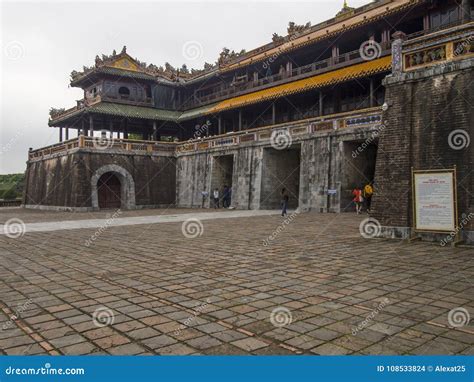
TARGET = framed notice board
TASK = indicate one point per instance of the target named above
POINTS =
(434, 200)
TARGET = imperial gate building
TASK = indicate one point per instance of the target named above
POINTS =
(365, 96)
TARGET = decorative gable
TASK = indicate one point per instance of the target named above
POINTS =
(125, 63)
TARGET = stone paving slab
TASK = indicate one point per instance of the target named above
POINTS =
(116, 221)
(36, 216)
(244, 285)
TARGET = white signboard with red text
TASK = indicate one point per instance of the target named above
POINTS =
(434, 200)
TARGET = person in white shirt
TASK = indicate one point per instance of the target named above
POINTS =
(215, 196)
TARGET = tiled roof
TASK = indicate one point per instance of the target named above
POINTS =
(122, 110)
(323, 31)
(318, 81)
(116, 72)
(326, 79)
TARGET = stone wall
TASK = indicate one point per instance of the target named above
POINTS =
(425, 107)
(309, 168)
(64, 181)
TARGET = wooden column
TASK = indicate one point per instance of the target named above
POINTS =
(111, 128)
(240, 120)
(91, 126)
(60, 134)
(466, 10)
(335, 53)
(125, 129)
(426, 22)
(321, 108)
(67, 133)
(219, 124)
(371, 95)
(273, 113)
(337, 99)
(289, 68)
(82, 130)
(155, 130)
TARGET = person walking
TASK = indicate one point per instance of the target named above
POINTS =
(358, 199)
(225, 197)
(368, 192)
(284, 201)
(215, 196)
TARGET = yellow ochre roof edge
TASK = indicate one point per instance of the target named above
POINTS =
(317, 81)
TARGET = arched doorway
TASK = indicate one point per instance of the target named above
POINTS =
(109, 191)
(112, 187)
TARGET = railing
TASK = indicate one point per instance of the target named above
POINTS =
(453, 46)
(101, 144)
(357, 118)
(319, 67)
(10, 203)
(329, 64)
(433, 30)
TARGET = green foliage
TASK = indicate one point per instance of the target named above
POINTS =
(11, 186)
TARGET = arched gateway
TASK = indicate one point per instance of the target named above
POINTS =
(112, 187)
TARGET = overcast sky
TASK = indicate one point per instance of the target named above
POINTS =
(42, 42)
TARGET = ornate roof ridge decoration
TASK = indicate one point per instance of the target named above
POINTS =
(167, 71)
(345, 12)
(229, 60)
(295, 40)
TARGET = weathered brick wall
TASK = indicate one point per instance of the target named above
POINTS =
(66, 181)
(281, 169)
(195, 174)
(424, 108)
(193, 177)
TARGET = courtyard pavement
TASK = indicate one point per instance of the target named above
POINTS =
(228, 283)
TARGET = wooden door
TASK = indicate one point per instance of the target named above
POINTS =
(108, 189)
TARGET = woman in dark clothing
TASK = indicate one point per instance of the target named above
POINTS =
(284, 201)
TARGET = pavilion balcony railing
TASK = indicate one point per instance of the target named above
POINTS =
(329, 64)
(102, 144)
(296, 129)
(10, 203)
(322, 124)
(447, 45)
(319, 67)
(438, 28)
